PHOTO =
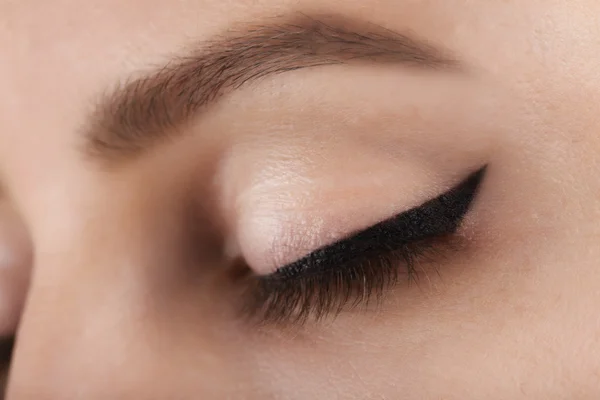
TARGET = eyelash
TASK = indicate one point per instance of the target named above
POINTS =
(332, 290)
(360, 269)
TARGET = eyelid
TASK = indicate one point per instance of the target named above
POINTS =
(362, 265)
(280, 201)
(273, 237)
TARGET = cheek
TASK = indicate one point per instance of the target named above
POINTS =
(15, 266)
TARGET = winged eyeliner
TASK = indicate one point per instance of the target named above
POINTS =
(365, 262)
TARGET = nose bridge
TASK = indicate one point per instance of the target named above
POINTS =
(76, 334)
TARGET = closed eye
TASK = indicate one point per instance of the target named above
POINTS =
(351, 271)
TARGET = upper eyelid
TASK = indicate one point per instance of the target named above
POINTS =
(402, 223)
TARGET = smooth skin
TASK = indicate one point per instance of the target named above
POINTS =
(122, 304)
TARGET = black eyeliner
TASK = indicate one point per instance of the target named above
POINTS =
(439, 216)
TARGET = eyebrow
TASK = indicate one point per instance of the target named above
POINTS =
(154, 108)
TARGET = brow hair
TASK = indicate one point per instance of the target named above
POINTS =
(153, 108)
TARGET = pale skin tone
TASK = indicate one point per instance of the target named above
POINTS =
(110, 298)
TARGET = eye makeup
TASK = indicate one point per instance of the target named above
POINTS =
(361, 266)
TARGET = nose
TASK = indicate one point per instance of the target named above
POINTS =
(112, 314)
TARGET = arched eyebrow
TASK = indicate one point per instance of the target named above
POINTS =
(153, 108)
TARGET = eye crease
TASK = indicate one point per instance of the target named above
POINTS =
(360, 267)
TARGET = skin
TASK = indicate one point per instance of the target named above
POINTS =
(122, 304)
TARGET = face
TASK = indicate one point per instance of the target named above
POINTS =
(300, 199)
